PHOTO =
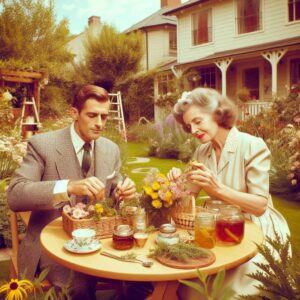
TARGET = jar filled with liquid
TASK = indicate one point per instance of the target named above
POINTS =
(205, 230)
(167, 234)
(122, 237)
(140, 220)
(230, 225)
(214, 206)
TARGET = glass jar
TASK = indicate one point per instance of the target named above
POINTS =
(122, 238)
(230, 225)
(167, 234)
(214, 206)
(205, 230)
(140, 220)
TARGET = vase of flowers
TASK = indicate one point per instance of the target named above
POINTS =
(160, 196)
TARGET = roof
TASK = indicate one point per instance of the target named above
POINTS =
(155, 19)
(183, 6)
(246, 50)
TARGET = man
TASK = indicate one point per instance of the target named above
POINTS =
(66, 166)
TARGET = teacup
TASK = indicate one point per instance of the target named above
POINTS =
(83, 236)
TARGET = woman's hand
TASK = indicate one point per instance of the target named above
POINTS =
(174, 173)
(203, 177)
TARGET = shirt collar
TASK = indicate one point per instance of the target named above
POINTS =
(77, 141)
(230, 143)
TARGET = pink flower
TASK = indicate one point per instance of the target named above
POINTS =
(77, 213)
(67, 209)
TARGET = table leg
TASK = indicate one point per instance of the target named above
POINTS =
(164, 290)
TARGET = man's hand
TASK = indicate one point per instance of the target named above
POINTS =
(91, 187)
(125, 189)
(174, 174)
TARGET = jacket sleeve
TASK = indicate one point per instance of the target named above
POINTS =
(26, 191)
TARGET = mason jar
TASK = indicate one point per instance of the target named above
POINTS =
(122, 238)
(230, 225)
(167, 234)
(140, 220)
(214, 206)
(205, 230)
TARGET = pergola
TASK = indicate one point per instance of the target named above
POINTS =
(32, 78)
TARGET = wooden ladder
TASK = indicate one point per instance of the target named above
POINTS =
(116, 113)
(30, 120)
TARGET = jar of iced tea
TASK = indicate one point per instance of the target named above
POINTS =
(230, 225)
(205, 230)
(214, 206)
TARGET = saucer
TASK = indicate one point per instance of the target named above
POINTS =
(73, 247)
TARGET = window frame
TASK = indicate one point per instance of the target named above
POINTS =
(209, 27)
(238, 18)
(294, 17)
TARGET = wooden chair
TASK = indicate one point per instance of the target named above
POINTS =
(16, 238)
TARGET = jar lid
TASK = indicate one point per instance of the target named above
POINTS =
(123, 230)
(167, 228)
(230, 209)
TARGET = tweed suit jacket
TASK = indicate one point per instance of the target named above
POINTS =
(51, 157)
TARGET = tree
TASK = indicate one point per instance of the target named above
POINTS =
(113, 56)
(30, 36)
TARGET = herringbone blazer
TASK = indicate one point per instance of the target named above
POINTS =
(51, 157)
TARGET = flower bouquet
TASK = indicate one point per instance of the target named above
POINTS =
(102, 217)
(160, 197)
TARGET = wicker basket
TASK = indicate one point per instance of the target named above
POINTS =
(104, 227)
(184, 213)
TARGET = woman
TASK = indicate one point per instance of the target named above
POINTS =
(232, 166)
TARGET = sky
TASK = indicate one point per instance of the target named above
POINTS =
(120, 13)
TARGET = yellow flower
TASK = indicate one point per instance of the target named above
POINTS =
(161, 175)
(148, 190)
(99, 208)
(17, 289)
(156, 203)
(168, 203)
(155, 186)
(154, 196)
(168, 196)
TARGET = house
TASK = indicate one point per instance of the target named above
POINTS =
(234, 44)
(159, 36)
(76, 45)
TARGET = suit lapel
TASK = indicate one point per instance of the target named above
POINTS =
(229, 150)
(66, 156)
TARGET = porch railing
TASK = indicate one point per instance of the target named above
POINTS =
(253, 108)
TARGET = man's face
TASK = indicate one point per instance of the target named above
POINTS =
(90, 121)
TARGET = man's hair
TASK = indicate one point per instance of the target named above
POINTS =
(89, 91)
(211, 101)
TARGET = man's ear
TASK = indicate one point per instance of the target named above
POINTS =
(74, 113)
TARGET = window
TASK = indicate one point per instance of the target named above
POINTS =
(165, 84)
(295, 71)
(294, 10)
(202, 27)
(251, 82)
(204, 77)
(172, 40)
(248, 16)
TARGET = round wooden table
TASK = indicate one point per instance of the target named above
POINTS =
(53, 238)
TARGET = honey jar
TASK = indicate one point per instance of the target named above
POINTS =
(167, 234)
(205, 230)
(122, 238)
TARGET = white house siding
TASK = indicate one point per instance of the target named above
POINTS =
(158, 47)
(274, 27)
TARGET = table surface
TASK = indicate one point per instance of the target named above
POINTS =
(53, 239)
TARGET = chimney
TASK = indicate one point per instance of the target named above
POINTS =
(169, 3)
(94, 20)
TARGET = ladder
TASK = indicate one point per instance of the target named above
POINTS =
(30, 120)
(116, 113)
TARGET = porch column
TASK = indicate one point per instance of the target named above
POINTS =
(274, 56)
(223, 64)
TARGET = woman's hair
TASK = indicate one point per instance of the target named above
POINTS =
(89, 91)
(211, 101)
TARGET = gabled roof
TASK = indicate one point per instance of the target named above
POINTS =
(183, 6)
(155, 19)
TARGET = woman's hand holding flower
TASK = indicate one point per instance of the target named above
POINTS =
(174, 174)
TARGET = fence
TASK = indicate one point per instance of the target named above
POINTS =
(252, 108)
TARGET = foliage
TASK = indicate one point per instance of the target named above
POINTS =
(137, 94)
(279, 277)
(209, 286)
(279, 127)
(29, 34)
(243, 95)
(167, 100)
(113, 56)
(25, 289)
(180, 252)
(6, 115)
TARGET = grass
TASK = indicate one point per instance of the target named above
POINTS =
(289, 209)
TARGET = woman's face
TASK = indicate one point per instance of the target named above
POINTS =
(201, 124)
